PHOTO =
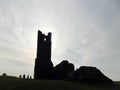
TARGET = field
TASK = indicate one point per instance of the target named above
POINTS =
(24, 84)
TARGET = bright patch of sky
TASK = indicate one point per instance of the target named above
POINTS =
(85, 32)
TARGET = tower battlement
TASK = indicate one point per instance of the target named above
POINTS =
(44, 37)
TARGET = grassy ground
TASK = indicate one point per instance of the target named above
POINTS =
(21, 84)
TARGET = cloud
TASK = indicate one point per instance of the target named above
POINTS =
(86, 32)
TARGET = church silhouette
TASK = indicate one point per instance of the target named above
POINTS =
(44, 69)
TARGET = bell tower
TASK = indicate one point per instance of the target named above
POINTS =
(43, 64)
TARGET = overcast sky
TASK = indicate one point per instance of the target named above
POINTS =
(85, 32)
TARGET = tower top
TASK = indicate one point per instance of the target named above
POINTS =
(48, 35)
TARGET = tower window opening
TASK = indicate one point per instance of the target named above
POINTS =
(44, 39)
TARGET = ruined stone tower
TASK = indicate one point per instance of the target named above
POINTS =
(43, 64)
